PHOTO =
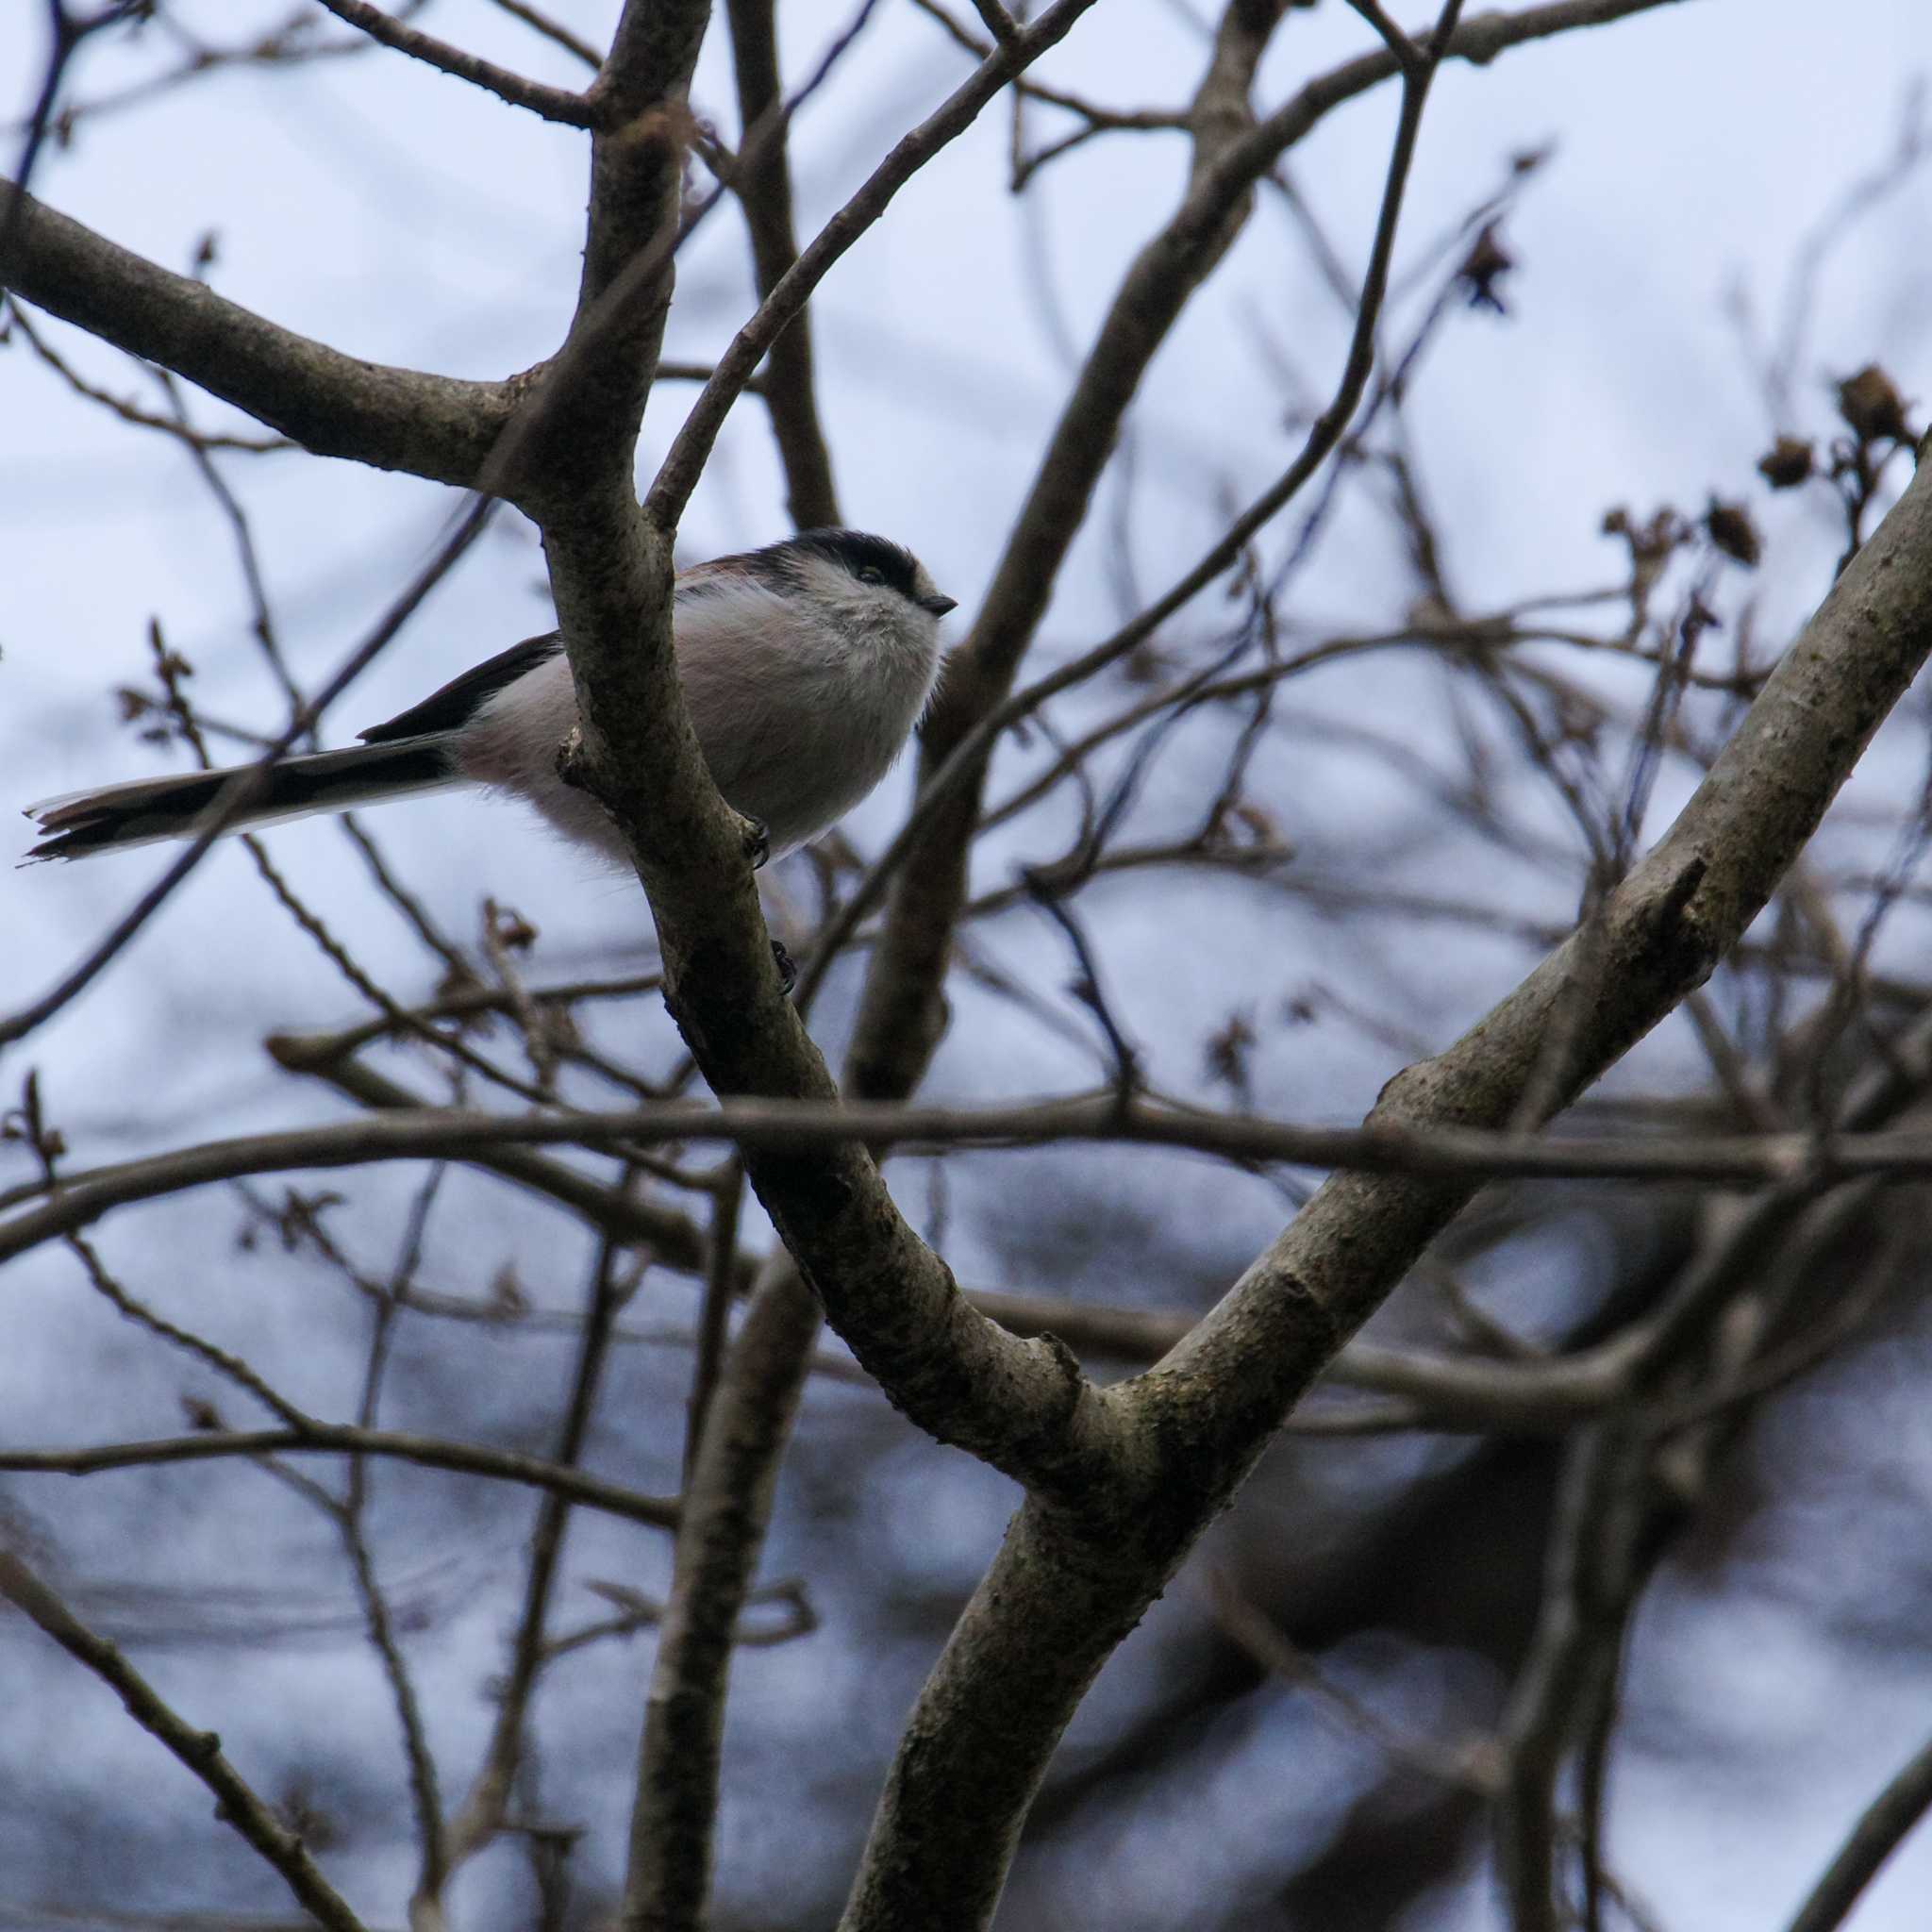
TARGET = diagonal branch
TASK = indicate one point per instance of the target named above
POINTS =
(200, 1751)
(900, 1016)
(553, 103)
(684, 463)
(335, 404)
(1062, 1592)
(1882, 1828)
(1662, 932)
(1023, 1404)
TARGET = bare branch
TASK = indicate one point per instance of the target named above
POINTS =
(552, 30)
(1386, 1144)
(1680, 909)
(678, 474)
(200, 1751)
(672, 1238)
(997, 1699)
(242, 788)
(126, 409)
(763, 184)
(1885, 1824)
(727, 1504)
(482, 1811)
(550, 103)
(898, 1021)
(335, 404)
(338, 1439)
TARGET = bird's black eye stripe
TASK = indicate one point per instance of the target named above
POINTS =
(862, 557)
(867, 558)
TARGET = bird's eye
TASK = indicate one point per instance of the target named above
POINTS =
(871, 573)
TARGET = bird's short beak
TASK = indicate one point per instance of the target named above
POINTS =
(939, 602)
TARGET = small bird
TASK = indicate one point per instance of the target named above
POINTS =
(805, 664)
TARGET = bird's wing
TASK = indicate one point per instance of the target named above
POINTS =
(462, 697)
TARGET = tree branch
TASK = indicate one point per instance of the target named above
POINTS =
(332, 404)
(1061, 1592)
(673, 1239)
(763, 185)
(480, 1816)
(727, 1506)
(335, 1438)
(684, 463)
(780, 1133)
(553, 103)
(1884, 1825)
(200, 1751)
(899, 1019)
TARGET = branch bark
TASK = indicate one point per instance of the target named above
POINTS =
(901, 1019)
(1063, 1589)
(332, 404)
(726, 1507)
(550, 103)
(333, 1438)
(1019, 1403)
(765, 195)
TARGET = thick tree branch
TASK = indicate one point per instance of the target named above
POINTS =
(1660, 935)
(1066, 1591)
(1022, 1403)
(332, 404)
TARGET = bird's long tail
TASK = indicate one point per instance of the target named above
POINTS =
(148, 809)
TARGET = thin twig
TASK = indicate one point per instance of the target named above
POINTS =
(247, 784)
(552, 103)
(200, 1751)
(337, 1439)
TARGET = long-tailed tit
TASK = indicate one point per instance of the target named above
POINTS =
(805, 664)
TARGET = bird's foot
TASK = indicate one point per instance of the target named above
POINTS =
(754, 840)
(787, 973)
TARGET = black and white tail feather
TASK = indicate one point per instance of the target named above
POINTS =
(144, 811)
(805, 666)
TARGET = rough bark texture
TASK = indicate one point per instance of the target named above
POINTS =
(997, 1702)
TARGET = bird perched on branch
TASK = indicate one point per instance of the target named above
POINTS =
(805, 665)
